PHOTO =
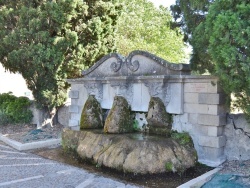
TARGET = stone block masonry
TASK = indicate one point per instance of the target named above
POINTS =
(212, 120)
(204, 105)
(197, 102)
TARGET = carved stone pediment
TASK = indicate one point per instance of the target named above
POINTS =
(137, 63)
(94, 88)
(123, 88)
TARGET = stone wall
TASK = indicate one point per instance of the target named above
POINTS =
(237, 132)
(204, 118)
(229, 140)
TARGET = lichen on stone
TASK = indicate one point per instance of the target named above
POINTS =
(163, 131)
(69, 140)
(119, 119)
(91, 116)
(159, 121)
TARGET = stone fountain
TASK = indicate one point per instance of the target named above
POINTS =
(138, 88)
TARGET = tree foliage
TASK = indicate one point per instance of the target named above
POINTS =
(142, 26)
(228, 32)
(47, 41)
(189, 14)
(221, 43)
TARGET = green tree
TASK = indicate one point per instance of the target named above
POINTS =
(142, 26)
(47, 41)
(189, 14)
(220, 41)
(228, 32)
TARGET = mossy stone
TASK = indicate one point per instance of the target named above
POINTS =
(163, 131)
(182, 138)
(119, 119)
(91, 117)
(159, 121)
(169, 167)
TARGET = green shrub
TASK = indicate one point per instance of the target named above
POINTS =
(3, 118)
(14, 109)
(5, 99)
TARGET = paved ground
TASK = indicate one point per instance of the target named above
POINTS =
(25, 170)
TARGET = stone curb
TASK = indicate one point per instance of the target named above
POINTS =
(201, 180)
(27, 146)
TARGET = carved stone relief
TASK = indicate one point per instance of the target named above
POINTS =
(133, 66)
(167, 94)
(94, 88)
(106, 66)
(159, 89)
(154, 88)
(116, 65)
(123, 89)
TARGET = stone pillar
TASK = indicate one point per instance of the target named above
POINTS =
(78, 95)
(204, 110)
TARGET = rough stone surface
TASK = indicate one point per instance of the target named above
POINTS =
(164, 131)
(39, 115)
(123, 153)
(119, 119)
(158, 119)
(157, 115)
(91, 117)
(69, 139)
(237, 132)
(63, 115)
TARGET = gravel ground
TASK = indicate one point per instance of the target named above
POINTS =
(29, 133)
(232, 175)
(240, 168)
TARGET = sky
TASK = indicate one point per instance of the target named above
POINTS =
(165, 3)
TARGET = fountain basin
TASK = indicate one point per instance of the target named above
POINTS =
(132, 152)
